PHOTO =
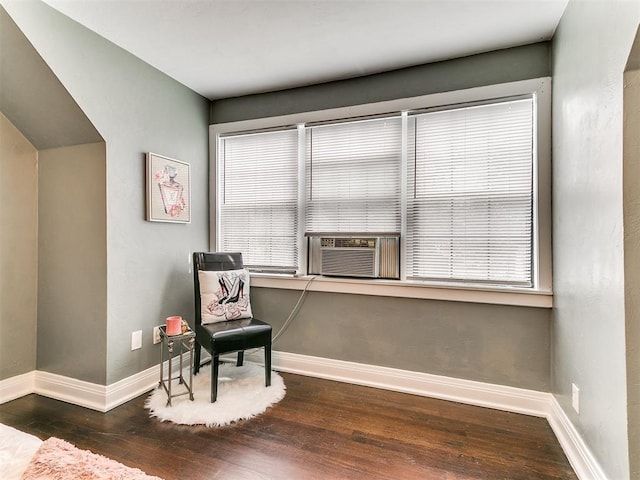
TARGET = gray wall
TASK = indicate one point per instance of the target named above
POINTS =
(136, 109)
(52, 255)
(631, 212)
(18, 251)
(489, 343)
(72, 261)
(589, 51)
(508, 65)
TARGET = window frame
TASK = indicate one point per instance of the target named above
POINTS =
(538, 296)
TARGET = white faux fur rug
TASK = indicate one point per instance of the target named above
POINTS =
(241, 395)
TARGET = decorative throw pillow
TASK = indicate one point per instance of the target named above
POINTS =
(224, 295)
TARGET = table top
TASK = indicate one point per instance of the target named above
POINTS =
(187, 334)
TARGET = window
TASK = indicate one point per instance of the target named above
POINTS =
(258, 201)
(459, 182)
(353, 176)
(470, 190)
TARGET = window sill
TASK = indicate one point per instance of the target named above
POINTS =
(408, 289)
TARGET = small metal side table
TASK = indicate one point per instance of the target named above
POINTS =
(182, 343)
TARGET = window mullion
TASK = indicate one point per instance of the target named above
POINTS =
(403, 195)
(302, 201)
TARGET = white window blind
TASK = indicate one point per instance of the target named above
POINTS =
(353, 176)
(470, 184)
(258, 198)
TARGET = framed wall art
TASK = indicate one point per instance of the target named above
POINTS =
(168, 190)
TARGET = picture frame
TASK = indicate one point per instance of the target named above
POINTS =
(168, 189)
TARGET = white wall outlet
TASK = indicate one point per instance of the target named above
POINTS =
(156, 334)
(136, 340)
(575, 398)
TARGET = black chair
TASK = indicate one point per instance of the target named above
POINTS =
(229, 336)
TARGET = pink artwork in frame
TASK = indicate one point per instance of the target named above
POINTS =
(168, 190)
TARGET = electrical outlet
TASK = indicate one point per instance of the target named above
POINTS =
(136, 340)
(156, 334)
(575, 398)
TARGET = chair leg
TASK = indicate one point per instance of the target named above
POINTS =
(215, 364)
(240, 358)
(267, 365)
(196, 361)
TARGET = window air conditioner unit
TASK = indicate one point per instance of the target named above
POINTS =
(354, 255)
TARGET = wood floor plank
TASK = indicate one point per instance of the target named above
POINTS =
(320, 430)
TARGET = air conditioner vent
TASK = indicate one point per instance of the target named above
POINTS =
(358, 263)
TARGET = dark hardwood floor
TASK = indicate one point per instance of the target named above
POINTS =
(320, 430)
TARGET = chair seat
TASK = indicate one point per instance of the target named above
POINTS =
(234, 335)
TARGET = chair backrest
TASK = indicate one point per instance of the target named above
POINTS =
(215, 262)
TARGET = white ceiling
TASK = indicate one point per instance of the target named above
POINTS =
(225, 48)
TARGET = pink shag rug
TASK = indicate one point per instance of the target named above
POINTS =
(60, 460)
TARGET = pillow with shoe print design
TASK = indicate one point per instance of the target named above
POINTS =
(224, 295)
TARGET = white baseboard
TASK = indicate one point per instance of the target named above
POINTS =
(481, 394)
(134, 386)
(84, 394)
(16, 387)
(511, 399)
(71, 390)
(582, 460)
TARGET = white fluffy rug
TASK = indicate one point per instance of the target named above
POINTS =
(241, 395)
